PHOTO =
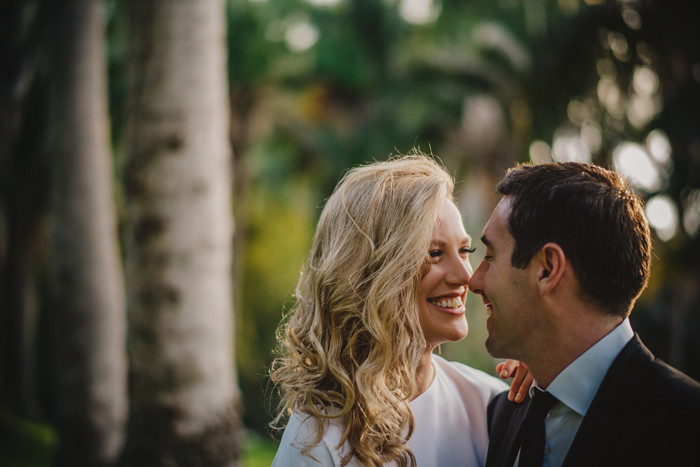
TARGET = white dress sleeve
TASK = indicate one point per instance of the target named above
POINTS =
(301, 430)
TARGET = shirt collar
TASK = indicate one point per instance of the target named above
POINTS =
(577, 384)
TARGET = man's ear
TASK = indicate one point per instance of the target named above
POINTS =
(551, 263)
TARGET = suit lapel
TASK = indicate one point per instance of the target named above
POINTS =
(505, 438)
(511, 440)
(607, 417)
(505, 419)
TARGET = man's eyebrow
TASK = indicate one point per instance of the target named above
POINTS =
(486, 241)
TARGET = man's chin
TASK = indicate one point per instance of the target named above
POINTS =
(493, 349)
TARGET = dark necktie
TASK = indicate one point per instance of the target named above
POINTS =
(532, 446)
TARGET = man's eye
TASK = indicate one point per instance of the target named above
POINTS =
(435, 253)
(467, 250)
(488, 257)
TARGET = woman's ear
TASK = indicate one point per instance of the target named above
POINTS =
(551, 263)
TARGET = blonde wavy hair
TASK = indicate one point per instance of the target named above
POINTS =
(350, 347)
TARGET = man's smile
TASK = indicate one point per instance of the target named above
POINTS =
(489, 308)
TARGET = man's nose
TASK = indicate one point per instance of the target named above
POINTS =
(477, 279)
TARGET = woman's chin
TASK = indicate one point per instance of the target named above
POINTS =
(455, 335)
(460, 335)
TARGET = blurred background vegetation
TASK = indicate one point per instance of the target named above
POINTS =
(318, 86)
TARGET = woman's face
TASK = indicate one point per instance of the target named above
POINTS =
(443, 289)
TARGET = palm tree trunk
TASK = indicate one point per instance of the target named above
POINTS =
(87, 281)
(183, 392)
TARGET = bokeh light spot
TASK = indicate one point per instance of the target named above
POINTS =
(301, 35)
(419, 11)
(577, 112)
(663, 216)
(591, 136)
(324, 3)
(609, 95)
(659, 146)
(641, 109)
(632, 18)
(645, 81)
(570, 148)
(618, 45)
(632, 161)
(691, 214)
(540, 152)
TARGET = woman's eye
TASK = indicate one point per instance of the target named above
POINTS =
(467, 250)
(435, 253)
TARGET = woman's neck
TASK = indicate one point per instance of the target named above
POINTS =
(424, 374)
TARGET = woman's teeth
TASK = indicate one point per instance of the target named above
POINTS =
(448, 303)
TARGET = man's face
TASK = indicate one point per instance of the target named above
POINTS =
(506, 290)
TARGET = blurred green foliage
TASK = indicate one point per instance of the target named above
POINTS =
(30, 443)
(25, 443)
(279, 227)
(259, 451)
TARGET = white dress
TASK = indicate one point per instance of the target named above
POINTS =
(450, 427)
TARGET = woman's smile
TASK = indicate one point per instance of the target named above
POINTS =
(451, 303)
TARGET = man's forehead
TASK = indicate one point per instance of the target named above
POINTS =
(497, 226)
(503, 208)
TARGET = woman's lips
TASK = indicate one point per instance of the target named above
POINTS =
(449, 305)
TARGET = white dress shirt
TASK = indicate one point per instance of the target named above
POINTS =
(575, 387)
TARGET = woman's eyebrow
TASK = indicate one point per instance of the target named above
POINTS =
(441, 243)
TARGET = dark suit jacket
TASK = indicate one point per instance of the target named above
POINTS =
(645, 413)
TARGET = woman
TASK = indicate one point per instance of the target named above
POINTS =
(384, 284)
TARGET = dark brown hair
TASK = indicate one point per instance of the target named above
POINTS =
(594, 216)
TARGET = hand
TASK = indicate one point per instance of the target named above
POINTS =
(522, 379)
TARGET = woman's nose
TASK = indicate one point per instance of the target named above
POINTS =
(460, 272)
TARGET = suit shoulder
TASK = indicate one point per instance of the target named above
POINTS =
(674, 384)
(500, 410)
(654, 380)
(500, 405)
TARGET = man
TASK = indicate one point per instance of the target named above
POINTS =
(568, 252)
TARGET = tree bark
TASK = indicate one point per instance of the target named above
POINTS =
(87, 281)
(183, 392)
